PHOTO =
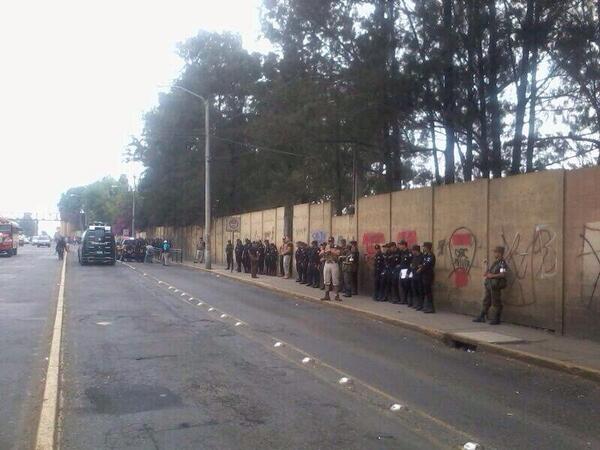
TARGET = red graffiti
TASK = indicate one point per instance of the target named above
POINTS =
(462, 239)
(410, 236)
(370, 239)
(461, 277)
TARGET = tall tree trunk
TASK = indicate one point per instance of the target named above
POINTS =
(532, 132)
(496, 125)
(449, 100)
(436, 164)
(470, 43)
(484, 143)
(522, 83)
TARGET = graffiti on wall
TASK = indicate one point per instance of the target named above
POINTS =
(590, 282)
(369, 240)
(410, 236)
(531, 262)
(319, 236)
(462, 249)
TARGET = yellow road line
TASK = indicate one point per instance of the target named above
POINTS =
(46, 432)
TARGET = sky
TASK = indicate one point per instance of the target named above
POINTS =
(77, 77)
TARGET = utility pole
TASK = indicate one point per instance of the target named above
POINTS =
(207, 200)
(133, 211)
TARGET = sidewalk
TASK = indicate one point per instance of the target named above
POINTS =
(575, 356)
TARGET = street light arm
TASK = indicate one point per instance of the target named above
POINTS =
(191, 93)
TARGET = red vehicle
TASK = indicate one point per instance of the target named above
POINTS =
(9, 237)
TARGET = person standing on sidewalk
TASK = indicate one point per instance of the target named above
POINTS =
(416, 286)
(253, 257)
(378, 273)
(261, 257)
(354, 249)
(246, 256)
(282, 249)
(403, 280)
(427, 275)
(166, 249)
(495, 281)
(288, 253)
(200, 248)
(239, 251)
(331, 271)
(349, 268)
(229, 255)
(322, 248)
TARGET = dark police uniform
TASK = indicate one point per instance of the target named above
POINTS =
(246, 256)
(404, 282)
(427, 275)
(378, 275)
(239, 252)
(416, 285)
(261, 258)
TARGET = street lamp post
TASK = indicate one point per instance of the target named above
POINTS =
(133, 211)
(207, 201)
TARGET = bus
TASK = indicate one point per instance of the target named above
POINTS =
(9, 237)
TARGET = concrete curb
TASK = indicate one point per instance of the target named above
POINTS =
(443, 336)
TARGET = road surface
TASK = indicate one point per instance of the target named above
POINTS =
(160, 357)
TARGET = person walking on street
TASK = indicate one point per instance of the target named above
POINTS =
(239, 251)
(149, 253)
(166, 249)
(229, 255)
(427, 275)
(495, 281)
(200, 248)
(331, 271)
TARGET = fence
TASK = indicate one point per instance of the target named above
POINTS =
(549, 223)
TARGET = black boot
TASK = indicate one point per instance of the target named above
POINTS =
(495, 320)
(480, 318)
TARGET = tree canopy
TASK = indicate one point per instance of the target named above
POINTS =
(366, 96)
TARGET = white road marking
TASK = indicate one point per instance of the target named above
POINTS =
(45, 439)
(103, 323)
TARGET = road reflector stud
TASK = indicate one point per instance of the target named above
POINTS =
(344, 380)
(200, 303)
(472, 446)
(238, 324)
(306, 360)
(223, 316)
(277, 344)
(211, 309)
(183, 294)
(396, 407)
(176, 291)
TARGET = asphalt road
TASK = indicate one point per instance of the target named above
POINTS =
(28, 295)
(145, 366)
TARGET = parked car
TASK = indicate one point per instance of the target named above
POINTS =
(43, 241)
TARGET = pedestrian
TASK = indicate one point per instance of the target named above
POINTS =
(427, 276)
(200, 248)
(287, 259)
(253, 259)
(261, 257)
(246, 256)
(229, 255)
(149, 253)
(331, 271)
(239, 252)
(166, 248)
(354, 245)
(405, 258)
(415, 278)
(495, 280)
(282, 250)
(343, 248)
(378, 273)
(349, 267)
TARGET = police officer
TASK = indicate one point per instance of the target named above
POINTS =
(229, 255)
(405, 258)
(393, 274)
(299, 256)
(378, 270)
(495, 281)
(261, 257)
(427, 274)
(349, 267)
(253, 258)
(313, 265)
(416, 285)
(246, 256)
(239, 253)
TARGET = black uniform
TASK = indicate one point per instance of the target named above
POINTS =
(392, 281)
(239, 253)
(261, 258)
(312, 268)
(301, 264)
(229, 256)
(246, 256)
(427, 275)
(416, 300)
(387, 275)
(378, 275)
(404, 287)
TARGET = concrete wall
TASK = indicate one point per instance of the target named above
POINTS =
(549, 223)
(582, 253)
(460, 244)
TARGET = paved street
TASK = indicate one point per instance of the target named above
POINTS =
(173, 358)
(28, 295)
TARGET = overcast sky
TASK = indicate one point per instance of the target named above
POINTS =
(77, 77)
